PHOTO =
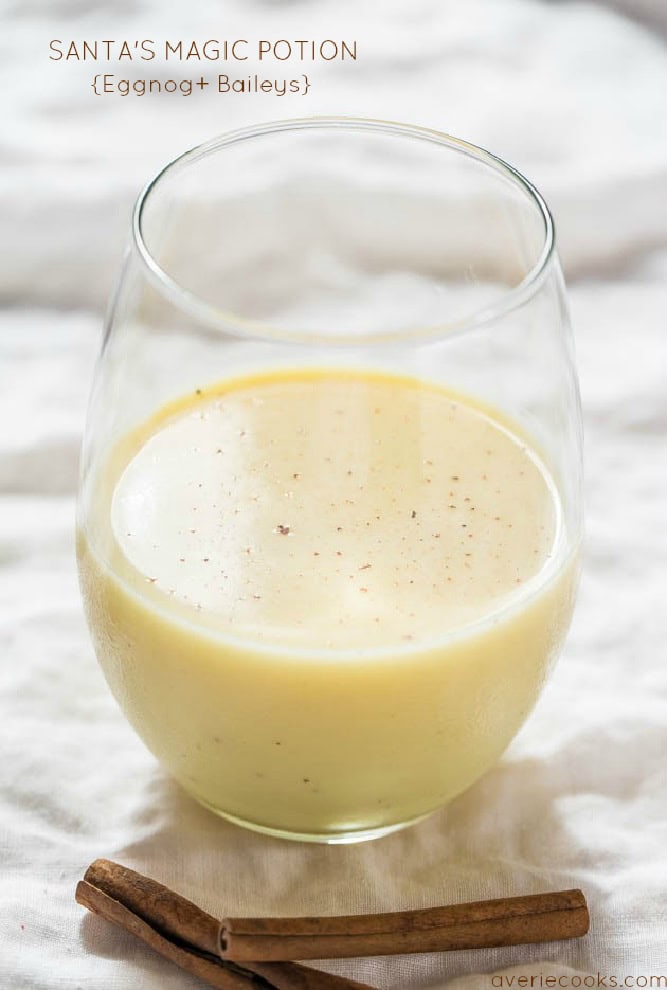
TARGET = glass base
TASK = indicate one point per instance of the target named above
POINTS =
(346, 837)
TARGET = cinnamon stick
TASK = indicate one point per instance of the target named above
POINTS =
(481, 924)
(232, 953)
(186, 935)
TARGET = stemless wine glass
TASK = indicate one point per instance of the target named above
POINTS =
(330, 506)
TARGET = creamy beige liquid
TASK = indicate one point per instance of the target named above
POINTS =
(325, 601)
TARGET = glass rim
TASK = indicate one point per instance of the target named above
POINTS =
(233, 324)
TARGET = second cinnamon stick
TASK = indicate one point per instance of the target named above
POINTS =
(187, 936)
(481, 924)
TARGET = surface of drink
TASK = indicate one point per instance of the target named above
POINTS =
(326, 599)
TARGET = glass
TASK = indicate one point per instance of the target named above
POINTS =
(330, 503)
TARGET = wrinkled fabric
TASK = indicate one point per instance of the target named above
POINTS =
(571, 93)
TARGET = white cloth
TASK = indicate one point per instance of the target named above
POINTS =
(573, 94)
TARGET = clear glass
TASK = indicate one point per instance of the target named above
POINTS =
(334, 340)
